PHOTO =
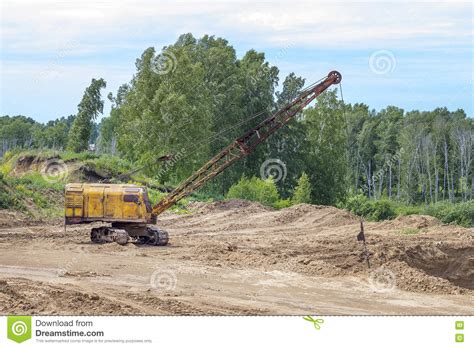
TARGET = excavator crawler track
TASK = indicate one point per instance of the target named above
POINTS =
(108, 235)
(155, 236)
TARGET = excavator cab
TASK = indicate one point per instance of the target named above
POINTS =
(126, 207)
(108, 203)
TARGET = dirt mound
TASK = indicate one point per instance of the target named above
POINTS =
(415, 279)
(75, 169)
(418, 264)
(438, 262)
(410, 221)
(231, 204)
(256, 214)
(316, 215)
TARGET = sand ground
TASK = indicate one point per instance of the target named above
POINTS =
(241, 258)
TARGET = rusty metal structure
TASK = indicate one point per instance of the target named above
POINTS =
(245, 144)
(127, 207)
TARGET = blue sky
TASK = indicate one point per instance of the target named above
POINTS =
(415, 55)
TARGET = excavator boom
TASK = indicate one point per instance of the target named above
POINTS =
(244, 145)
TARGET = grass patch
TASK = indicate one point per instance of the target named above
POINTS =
(79, 156)
(31, 193)
(37, 182)
(108, 166)
(9, 198)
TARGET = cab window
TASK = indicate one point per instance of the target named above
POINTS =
(130, 198)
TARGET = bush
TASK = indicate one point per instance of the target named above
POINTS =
(460, 213)
(282, 203)
(8, 161)
(302, 192)
(9, 199)
(382, 210)
(371, 210)
(358, 205)
(402, 209)
(255, 189)
(8, 155)
(6, 200)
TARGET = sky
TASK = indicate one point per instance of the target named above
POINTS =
(411, 54)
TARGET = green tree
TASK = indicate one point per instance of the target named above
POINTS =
(193, 109)
(17, 132)
(387, 146)
(261, 79)
(255, 189)
(166, 112)
(54, 135)
(88, 110)
(357, 116)
(107, 140)
(302, 192)
(326, 141)
(286, 144)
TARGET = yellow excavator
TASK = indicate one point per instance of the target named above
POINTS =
(127, 207)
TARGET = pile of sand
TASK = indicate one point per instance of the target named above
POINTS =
(414, 279)
(410, 221)
(315, 215)
(240, 205)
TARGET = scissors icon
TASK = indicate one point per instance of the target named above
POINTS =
(316, 322)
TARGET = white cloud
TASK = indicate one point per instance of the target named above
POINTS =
(43, 26)
(51, 49)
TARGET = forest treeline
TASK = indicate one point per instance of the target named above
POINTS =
(194, 97)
